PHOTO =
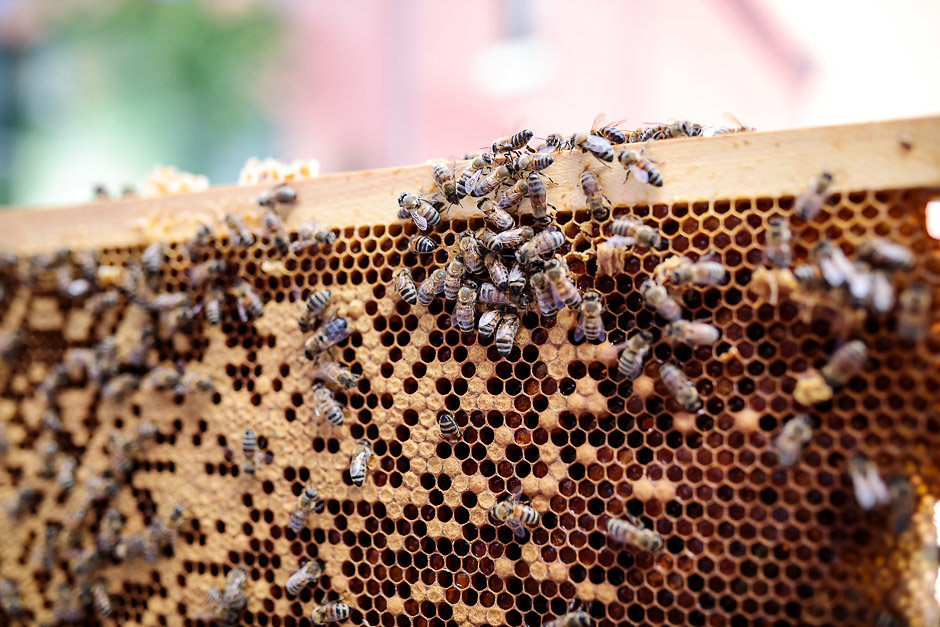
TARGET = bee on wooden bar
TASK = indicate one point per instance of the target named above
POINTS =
(421, 211)
(779, 253)
(325, 405)
(517, 278)
(499, 218)
(634, 533)
(682, 128)
(511, 238)
(248, 301)
(794, 435)
(513, 196)
(694, 333)
(422, 244)
(312, 236)
(465, 309)
(514, 513)
(543, 214)
(406, 286)
(883, 253)
(595, 144)
(506, 333)
(512, 143)
(241, 236)
(280, 195)
(488, 322)
(469, 249)
(591, 322)
(809, 202)
(870, 489)
(659, 299)
(444, 178)
(497, 271)
(610, 132)
(641, 167)
(491, 181)
(454, 272)
(681, 388)
(336, 374)
(432, 286)
(309, 572)
(630, 361)
(702, 272)
(531, 163)
(448, 428)
(468, 178)
(638, 234)
(229, 603)
(914, 314)
(202, 273)
(597, 202)
(545, 243)
(332, 612)
(250, 451)
(330, 333)
(489, 294)
(359, 462)
(544, 297)
(315, 306)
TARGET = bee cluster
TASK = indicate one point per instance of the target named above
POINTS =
(570, 415)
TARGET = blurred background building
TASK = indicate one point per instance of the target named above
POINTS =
(100, 91)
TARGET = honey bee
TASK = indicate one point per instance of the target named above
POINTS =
(700, 273)
(406, 286)
(65, 477)
(68, 607)
(444, 178)
(202, 273)
(152, 258)
(432, 286)
(309, 572)
(275, 228)
(465, 309)
(488, 322)
(638, 234)
(454, 275)
(779, 253)
(198, 242)
(630, 362)
(468, 178)
(794, 435)
(325, 405)
(316, 305)
(422, 244)
(542, 213)
(359, 463)
(336, 374)
(506, 333)
(694, 333)
(633, 532)
(870, 488)
(332, 612)
(886, 254)
(499, 218)
(102, 302)
(681, 388)
(545, 243)
(489, 294)
(491, 181)
(813, 197)
(561, 285)
(229, 603)
(469, 249)
(309, 501)
(681, 128)
(882, 294)
(511, 238)
(421, 211)
(448, 427)
(176, 320)
(497, 271)
(512, 143)
(280, 195)
(240, 234)
(903, 503)
(517, 278)
(597, 203)
(642, 168)
(595, 144)
(513, 196)
(531, 163)
(737, 128)
(544, 298)
(311, 235)
(12, 345)
(659, 299)
(845, 363)
(212, 309)
(914, 314)
(249, 450)
(329, 334)
(102, 599)
(512, 512)
(47, 469)
(610, 132)
(578, 618)
(591, 322)
(835, 267)
(10, 600)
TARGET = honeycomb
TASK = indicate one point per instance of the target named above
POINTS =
(746, 540)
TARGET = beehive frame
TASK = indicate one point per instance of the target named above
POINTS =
(747, 541)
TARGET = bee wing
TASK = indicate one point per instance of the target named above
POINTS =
(517, 527)
(596, 143)
(545, 149)
(579, 330)
(602, 331)
(832, 273)
(640, 174)
(865, 493)
(878, 487)
(882, 293)
(419, 220)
